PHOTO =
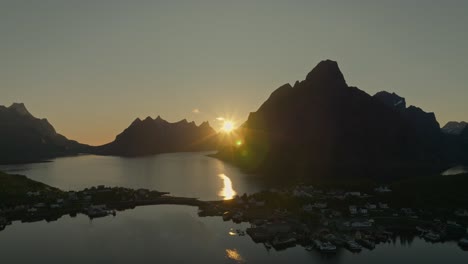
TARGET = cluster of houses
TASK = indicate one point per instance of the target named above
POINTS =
(50, 205)
(341, 213)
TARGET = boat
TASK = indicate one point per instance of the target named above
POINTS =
(327, 247)
(353, 246)
(309, 248)
(431, 236)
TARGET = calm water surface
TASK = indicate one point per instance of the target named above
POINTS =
(170, 234)
(175, 234)
(182, 174)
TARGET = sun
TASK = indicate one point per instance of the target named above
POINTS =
(228, 126)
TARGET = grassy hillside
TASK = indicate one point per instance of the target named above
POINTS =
(16, 187)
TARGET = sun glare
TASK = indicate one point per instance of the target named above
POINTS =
(228, 126)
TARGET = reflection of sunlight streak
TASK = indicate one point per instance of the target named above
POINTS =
(234, 255)
(227, 191)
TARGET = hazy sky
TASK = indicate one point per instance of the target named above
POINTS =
(92, 67)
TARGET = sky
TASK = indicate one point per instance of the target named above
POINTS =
(92, 66)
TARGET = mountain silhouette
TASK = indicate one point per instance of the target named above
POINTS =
(25, 138)
(321, 126)
(153, 136)
(454, 128)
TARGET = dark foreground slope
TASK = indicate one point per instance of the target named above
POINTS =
(153, 136)
(323, 127)
(25, 138)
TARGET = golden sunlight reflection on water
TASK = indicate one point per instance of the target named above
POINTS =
(234, 255)
(227, 192)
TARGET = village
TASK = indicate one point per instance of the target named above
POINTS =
(329, 220)
(303, 215)
(94, 202)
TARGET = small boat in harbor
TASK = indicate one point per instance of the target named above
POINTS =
(327, 247)
(309, 248)
(353, 246)
(431, 236)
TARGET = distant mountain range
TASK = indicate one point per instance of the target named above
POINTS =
(318, 127)
(153, 136)
(321, 126)
(454, 128)
(25, 138)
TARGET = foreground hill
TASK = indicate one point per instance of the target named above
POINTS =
(14, 188)
(153, 136)
(25, 138)
(321, 126)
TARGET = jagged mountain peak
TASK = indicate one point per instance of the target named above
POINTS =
(205, 124)
(391, 99)
(159, 136)
(326, 71)
(136, 121)
(19, 108)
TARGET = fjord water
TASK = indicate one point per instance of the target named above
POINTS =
(175, 234)
(190, 174)
(165, 233)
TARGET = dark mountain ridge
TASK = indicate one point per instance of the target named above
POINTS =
(153, 136)
(323, 127)
(25, 138)
(454, 128)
